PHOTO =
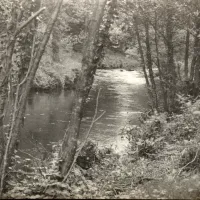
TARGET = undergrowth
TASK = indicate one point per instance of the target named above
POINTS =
(162, 162)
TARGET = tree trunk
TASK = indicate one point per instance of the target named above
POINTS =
(20, 102)
(4, 74)
(55, 44)
(162, 83)
(55, 39)
(12, 33)
(149, 64)
(171, 76)
(7, 61)
(187, 46)
(192, 68)
(143, 60)
(84, 84)
(195, 77)
(141, 51)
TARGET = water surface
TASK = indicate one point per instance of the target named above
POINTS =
(122, 96)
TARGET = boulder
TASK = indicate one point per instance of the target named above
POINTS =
(88, 156)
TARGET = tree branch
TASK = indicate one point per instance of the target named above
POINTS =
(189, 162)
(28, 21)
(95, 118)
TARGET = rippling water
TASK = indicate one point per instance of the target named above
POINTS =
(123, 97)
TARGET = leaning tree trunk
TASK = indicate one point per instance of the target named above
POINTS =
(27, 40)
(12, 33)
(7, 61)
(84, 84)
(20, 101)
(55, 39)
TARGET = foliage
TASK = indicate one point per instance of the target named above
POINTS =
(36, 177)
(170, 173)
(186, 188)
(148, 140)
(164, 159)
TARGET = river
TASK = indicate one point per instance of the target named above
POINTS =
(122, 96)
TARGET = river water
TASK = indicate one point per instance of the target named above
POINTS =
(122, 96)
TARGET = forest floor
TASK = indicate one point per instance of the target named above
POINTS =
(162, 162)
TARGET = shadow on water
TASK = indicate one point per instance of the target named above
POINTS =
(123, 97)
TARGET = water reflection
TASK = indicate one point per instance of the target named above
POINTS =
(123, 97)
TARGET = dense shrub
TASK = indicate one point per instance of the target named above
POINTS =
(147, 140)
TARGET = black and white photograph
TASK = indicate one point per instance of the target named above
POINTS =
(99, 99)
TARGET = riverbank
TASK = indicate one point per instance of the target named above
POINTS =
(55, 76)
(162, 162)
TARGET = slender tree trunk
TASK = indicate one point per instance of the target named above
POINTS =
(4, 74)
(143, 60)
(20, 101)
(170, 59)
(7, 61)
(196, 48)
(162, 83)
(55, 44)
(192, 68)
(34, 64)
(55, 39)
(27, 41)
(12, 33)
(197, 75)
(178, 66)
(194, 71)
(187, 46)
(196, 58)
(149, 64)
(3, 92)
(141, 51)
(84, 84)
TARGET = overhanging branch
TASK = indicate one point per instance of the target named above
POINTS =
(28, 21)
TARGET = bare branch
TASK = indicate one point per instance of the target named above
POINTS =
(29, 155)
(189, 162)
(23, 173)
(95, 118)
(28, 21)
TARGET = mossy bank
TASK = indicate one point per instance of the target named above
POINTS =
(56, 76)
